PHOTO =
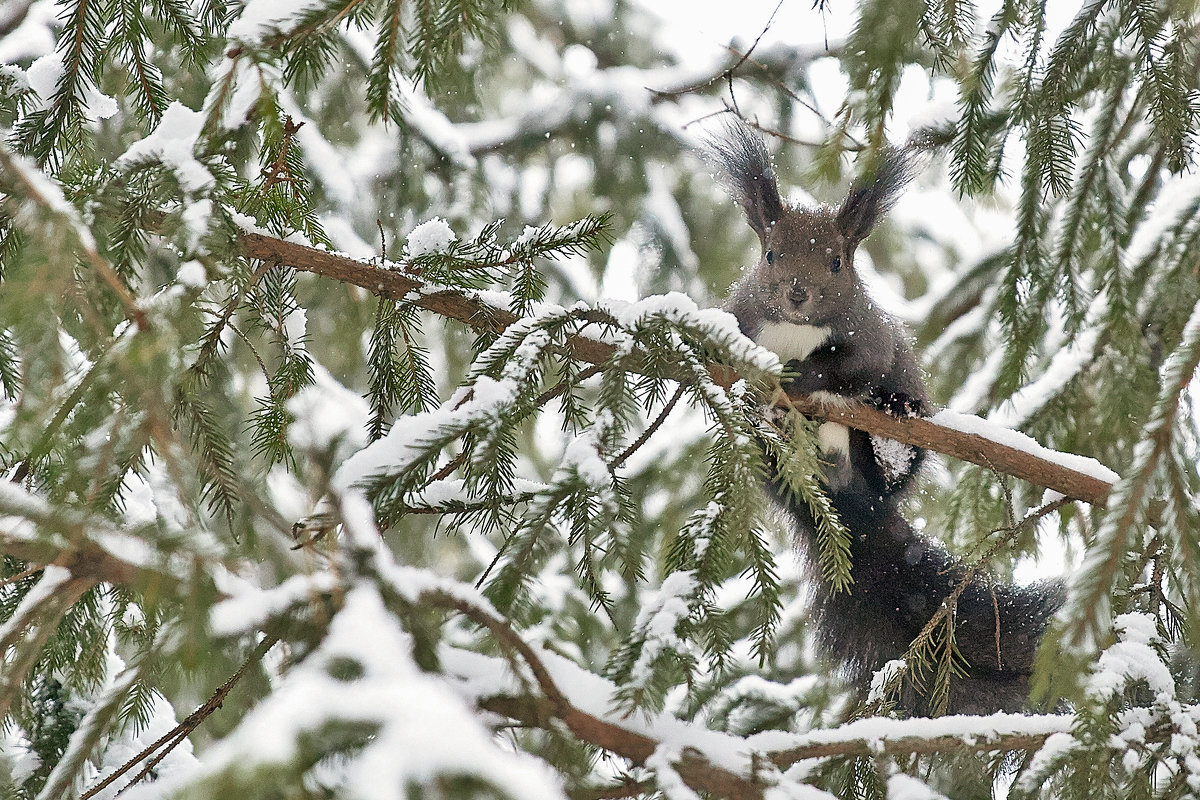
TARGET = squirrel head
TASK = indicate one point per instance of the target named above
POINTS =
(805, 274)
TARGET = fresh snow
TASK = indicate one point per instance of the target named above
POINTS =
(249, 608)
(44, 74)
(883, 678)
(668, 780)
(261, 17)
(582, 457)
(970, 729)
(483, 676)
(1055, 747)
(395, 451)
(295, 327)
(676, 307)
(1132, 658)
(966, 423)
(34, 37)
(173, 142)
(47, 191)
(326, 414)
(906, 787)
(1178, 194)
(433, 236)
(656, 623)
(423, 732)
(393, 694)
(192, 275)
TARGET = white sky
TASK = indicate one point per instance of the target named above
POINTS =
(712, 23)
(699, 23)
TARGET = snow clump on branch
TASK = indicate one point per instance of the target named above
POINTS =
(433, 236)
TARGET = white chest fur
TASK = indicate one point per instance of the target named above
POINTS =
(789, 341)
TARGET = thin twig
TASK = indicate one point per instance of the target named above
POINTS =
(278, 171)
(253, 351)
(158, 757)
(696, 772)
(948, 605)
(650, 429)
(562, 386)
(172, 738)
(213, 338)
(725, 74)
(22, 575)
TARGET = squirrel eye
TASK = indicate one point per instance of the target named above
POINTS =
(770, 256)
(836, 264)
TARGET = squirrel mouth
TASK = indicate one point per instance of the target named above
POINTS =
(795, 316)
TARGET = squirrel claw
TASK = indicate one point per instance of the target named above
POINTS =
(898, 405)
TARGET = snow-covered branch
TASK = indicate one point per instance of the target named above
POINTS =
(962, 436)
(85, 551)
(630, 91)
(711, 761)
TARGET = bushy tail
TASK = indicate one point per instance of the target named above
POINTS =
(900, 580)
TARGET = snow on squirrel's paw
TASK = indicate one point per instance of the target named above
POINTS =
(898, 405)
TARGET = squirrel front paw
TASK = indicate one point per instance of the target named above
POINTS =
(899, 404)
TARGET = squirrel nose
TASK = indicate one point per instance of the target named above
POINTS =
(799, 295)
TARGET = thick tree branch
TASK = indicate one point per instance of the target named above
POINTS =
(1044, 468)
(845, 741)
(84, 560)
(75, 544)
(966, 446)
(696, 772)
(1000, 732)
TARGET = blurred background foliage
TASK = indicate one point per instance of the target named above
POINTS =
(1044, 261)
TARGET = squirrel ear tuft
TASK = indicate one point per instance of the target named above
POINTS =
(743, 158)
(872, 197)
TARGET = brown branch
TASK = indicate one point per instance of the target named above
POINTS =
(695, 771)
(650, 429)
(396, 285)
(173, 737)
(541, 713)
(964, 446)
(555, 708)
(278, 172)
(85, 560)
(474, 312)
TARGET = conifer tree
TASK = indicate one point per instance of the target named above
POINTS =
(367, 429)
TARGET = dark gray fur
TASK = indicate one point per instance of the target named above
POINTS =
(900, 577)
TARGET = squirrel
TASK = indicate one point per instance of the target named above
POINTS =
(804, 301)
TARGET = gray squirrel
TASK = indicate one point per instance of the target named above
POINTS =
(805, 302)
